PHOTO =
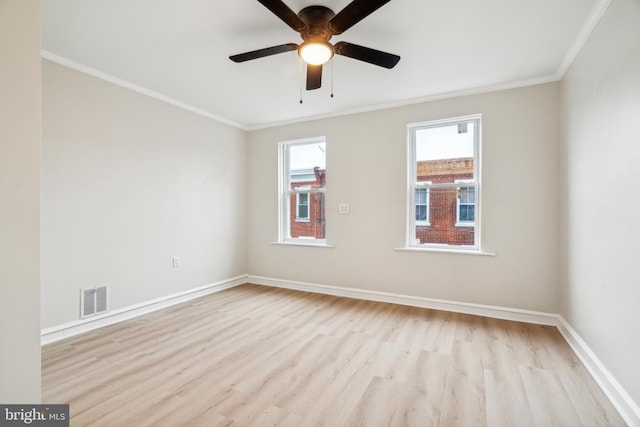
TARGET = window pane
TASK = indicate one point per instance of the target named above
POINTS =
(422, 208)
(442, 229)
(471, 195)
(467, 213)
(307, 156)
(303, 206)
(313, 226)
(444, 142)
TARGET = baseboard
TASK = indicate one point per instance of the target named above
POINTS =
(618, 396)
(56, 333)
(621, 400)
(496, 312)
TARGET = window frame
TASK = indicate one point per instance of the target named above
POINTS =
(285, 192)
(412, 184)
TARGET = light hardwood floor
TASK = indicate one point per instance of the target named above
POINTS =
(259, 356)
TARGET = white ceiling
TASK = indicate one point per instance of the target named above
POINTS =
(178, 50)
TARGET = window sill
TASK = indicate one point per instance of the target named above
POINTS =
(447, 251)
(316, 245)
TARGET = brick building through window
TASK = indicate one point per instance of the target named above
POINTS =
(445, 215)
(307, 209)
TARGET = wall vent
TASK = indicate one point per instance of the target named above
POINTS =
(93, 301)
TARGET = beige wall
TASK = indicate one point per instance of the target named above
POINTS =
(366, 167)
(601, 108)
(20, 128)
(128, 183)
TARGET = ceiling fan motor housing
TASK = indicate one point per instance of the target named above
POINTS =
(316, 19)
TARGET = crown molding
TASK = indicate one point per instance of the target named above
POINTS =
(597, 12)
(134, 87)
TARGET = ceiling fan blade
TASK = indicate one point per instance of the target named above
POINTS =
(282, 11)
(366, 54)
(260, 53)
(314, 76)
(353, 13)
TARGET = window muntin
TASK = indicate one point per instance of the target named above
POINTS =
(444, 168)
(302, 190)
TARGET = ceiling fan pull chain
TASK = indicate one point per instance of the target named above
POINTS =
(332, 78)
(302, 64)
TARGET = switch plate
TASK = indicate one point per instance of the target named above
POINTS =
(343, 209)
(176, 262)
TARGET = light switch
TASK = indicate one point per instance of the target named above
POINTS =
(343, 209)
(176, 262)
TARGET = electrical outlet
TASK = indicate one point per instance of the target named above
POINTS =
(176, 262)
(343, 209)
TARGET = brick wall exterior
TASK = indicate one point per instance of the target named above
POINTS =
(315, 226)
(442, 227)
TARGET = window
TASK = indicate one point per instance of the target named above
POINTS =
(444, 186)
(302, 190)
(302, 207)
(466, 206)
(422, 206)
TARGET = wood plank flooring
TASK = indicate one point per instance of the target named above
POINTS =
(259, 356)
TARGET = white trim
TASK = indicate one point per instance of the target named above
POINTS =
(309, 242)
(284, 185)
(134, 87)
(420, 100)
(77, 327)
(496, 312)
(594, 17)
(445, 250)
(590, 24)
(618, 396)
(445, 121)
(597, 12)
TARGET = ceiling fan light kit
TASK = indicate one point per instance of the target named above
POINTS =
(316, 25)
(315, 53)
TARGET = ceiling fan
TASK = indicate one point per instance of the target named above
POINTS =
(316, 25)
